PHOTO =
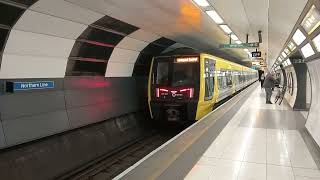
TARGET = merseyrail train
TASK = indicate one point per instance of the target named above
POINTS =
(184, 84)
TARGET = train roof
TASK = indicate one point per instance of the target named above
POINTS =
(189, 51)
(181, 51)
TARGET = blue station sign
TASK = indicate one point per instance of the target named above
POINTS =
(23, 86)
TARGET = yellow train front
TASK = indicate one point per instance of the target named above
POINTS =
(184, 84)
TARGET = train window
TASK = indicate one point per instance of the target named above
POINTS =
(220, 80)
(209, 78)
(229, 78)
(236, 77)
(162, 73)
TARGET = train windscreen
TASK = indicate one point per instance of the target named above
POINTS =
(175, 74)
(183, 74)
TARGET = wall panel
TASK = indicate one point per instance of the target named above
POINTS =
(313, 121)
(115, 69)
(50, 25)
(291, 98)
(28, 128)
(27, 43)
(124, 56)
(132, 44)
(66, 10)
(23, 66)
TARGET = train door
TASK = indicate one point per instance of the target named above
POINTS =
(207, 98)
(209, 79)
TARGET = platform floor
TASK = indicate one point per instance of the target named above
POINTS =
(260, 142)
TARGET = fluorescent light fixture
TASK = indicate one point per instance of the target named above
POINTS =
(307, 50)
(215, 16)
(234, 37)
(291, 46)
(238, 42)
(312, 20)
(202, 3)
(298, 37)
(226, 29)
(284, 54)
(288, 62)
(287, 51)
(316, 42)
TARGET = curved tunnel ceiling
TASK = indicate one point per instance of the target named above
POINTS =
(184, 22)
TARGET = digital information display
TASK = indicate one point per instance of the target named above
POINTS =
(187, 59)
(256, 54)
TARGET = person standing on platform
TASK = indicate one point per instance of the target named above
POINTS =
(262, 80)
(268, 85)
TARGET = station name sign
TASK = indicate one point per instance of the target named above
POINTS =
(24, 86)
(240, 46)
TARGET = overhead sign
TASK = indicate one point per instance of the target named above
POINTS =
(256, 54)
(23, 86)
(297, 61)
(240, 46)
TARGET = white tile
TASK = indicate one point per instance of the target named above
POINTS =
(208, 161)
(200, 172)
(101, 6)
(274, 132)
(115, 69)
(214, 152)
(303, 162)
(144, 36)
(255, 156)
(124, 56)
(33, 44)
(276, 158)
(305, 178)
(50, 25)
(279, 173)
(132, 44)
(234, 155)
(252, 171)
(66, 10)
(277, 146)
(16, 66)
(237, 145)
(311, 173)
(227, 170)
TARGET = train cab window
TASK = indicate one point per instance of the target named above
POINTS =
(209, 78)
(183, 74)
(162, 73)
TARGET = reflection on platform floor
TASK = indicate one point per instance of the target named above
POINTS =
(261, 142)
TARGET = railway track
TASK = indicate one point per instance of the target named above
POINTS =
(112, 165)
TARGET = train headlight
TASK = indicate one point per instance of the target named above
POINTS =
(161, 90)
(190, 91)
